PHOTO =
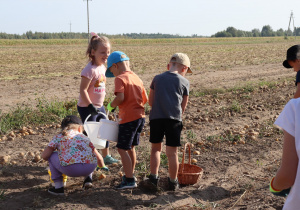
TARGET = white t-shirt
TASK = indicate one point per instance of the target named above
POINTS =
(289, 120)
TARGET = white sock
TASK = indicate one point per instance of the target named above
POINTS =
(174, 180)
(58, 185)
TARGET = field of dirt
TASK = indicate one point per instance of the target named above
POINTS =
(237, 91)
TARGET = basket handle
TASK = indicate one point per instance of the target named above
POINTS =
(183, 155)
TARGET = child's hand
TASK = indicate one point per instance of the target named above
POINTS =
(282, 193)
(92, 109)
(110, 108)
(104, 168)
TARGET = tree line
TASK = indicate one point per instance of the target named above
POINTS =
(72, 35)
(266, 31)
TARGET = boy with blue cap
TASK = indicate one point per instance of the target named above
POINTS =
(130, 96)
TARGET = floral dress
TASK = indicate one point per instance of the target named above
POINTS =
(73, 148)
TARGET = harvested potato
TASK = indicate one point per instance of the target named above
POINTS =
(11, 138)
(12, 134)
(102, 176)
(4, 159)
(194, 160)
(242, 142)
(31, 154)
(196, 152)
(37, 158)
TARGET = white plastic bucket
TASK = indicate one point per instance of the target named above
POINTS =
(108, 130)
(92, 129)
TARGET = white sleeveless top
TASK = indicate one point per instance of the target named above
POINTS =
(289, 120)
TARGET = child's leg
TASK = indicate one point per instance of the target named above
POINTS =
(155, 158)
(138, 125)
(65, 178)
(126, 162)
(132, 155)
(56, 174)
(172, 155)
(128, 138)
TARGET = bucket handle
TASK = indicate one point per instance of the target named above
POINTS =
(98, 113)
(183, 155)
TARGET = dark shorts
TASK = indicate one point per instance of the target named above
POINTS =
(166, 127)
(129, 134)
(84, 113)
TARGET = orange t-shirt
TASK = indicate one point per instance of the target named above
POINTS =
(132, 108)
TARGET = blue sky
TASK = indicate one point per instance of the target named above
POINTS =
(183, 17)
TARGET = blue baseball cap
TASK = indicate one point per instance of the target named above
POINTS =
(115, 57)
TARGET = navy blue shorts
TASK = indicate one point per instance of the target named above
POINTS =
(166, 127)
(129, 134)
(84, 113)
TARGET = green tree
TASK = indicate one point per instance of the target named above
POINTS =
(232, 31)
(267, 31)
(256, 32)
(280, 32)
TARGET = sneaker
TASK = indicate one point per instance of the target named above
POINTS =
(153, 180)
(150, 183)
(124, 178)
(126, 185)
(173, 185)
(110, 160)
(104, 168)
(59, 191)
(87, 183)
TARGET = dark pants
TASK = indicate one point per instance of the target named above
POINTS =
(84, 113)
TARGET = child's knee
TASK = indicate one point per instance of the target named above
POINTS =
(171, 155)
(171, 152)
(156, 147)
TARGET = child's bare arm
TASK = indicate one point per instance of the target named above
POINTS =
(297, 94)
(84, 84)
(286, 175)
(117, 100)
(151, 94)
(99, 157)
(145, 96)
(184, 102)
(47, 153)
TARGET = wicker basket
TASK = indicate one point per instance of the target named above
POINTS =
(188, 173)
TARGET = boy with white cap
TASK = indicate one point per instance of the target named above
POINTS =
(168, 99)
(130, 97)
(293, 61)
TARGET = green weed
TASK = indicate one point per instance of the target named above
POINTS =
(236, 107)
(46, 112)
(2, 193)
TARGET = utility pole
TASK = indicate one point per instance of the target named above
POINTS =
(70, 30)
(88, 21)
(291, 18)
